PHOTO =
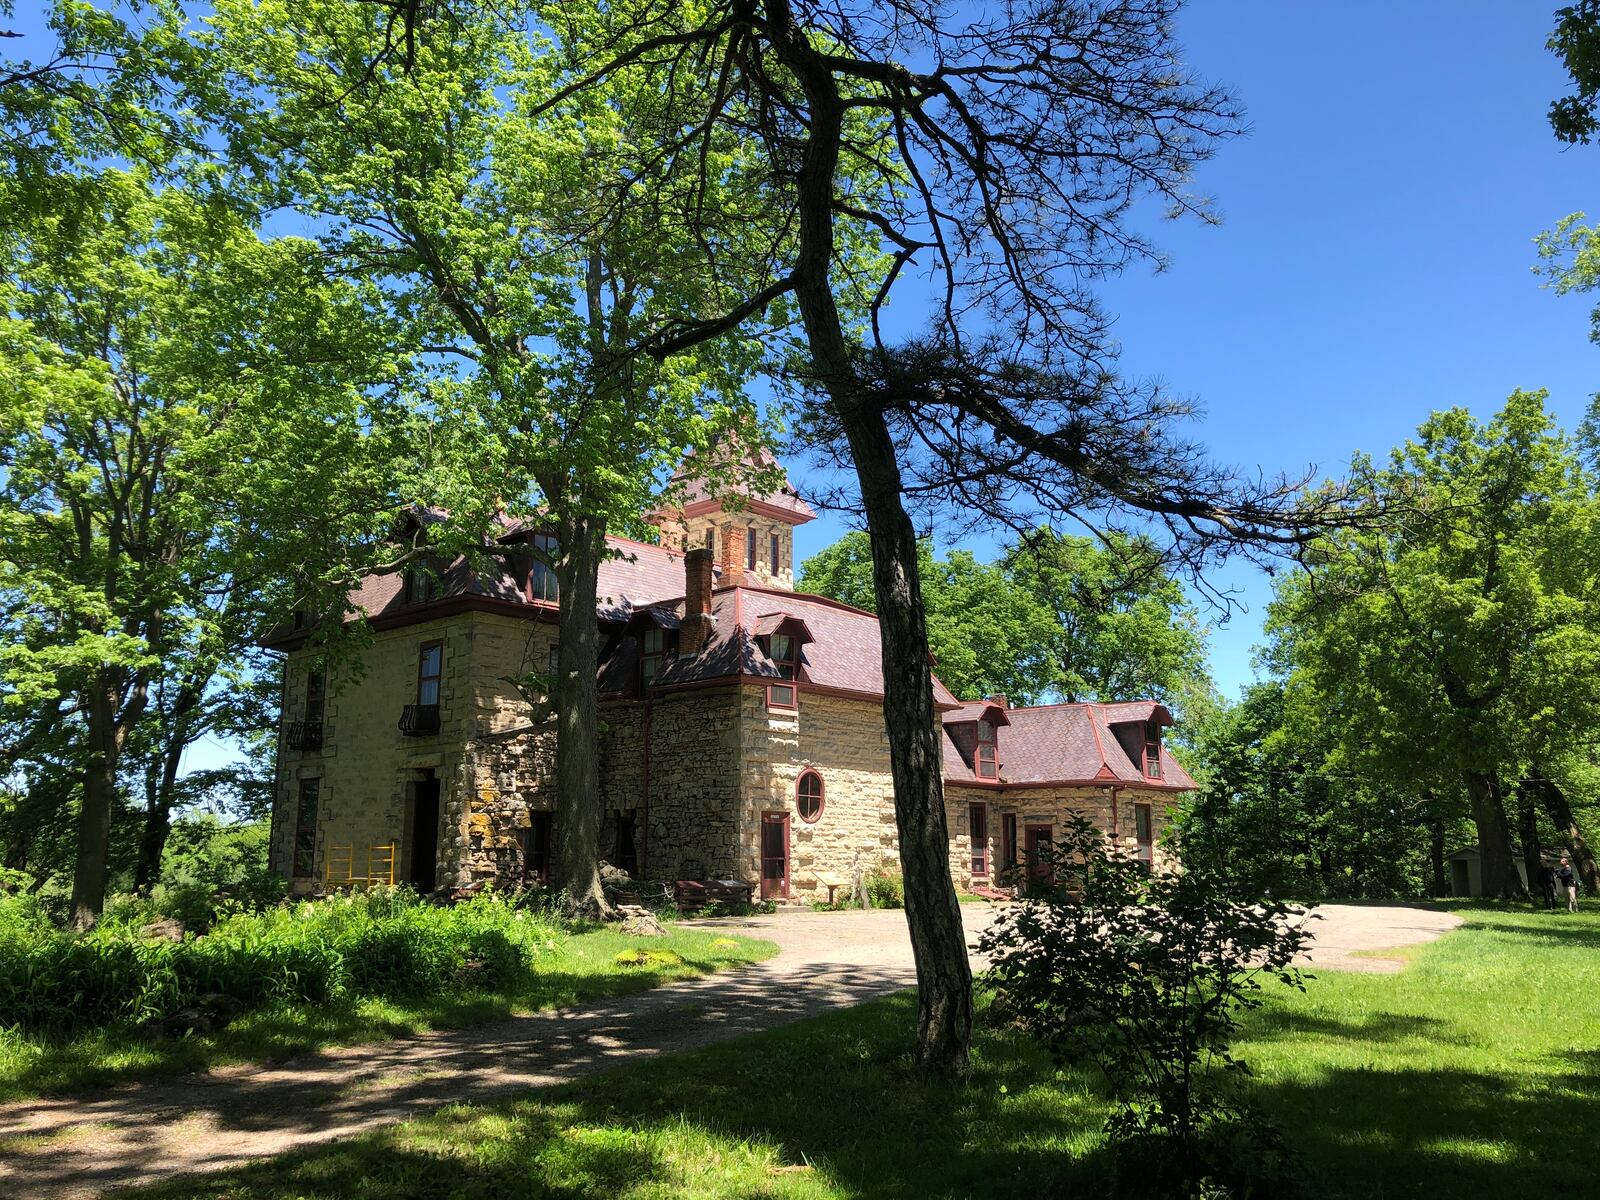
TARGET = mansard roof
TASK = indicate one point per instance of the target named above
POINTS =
(695, 494)
(843, 653)
(1070, 745)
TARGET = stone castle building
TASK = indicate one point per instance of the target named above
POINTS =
(741, 729)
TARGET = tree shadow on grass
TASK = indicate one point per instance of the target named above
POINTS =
(277, 1033)
(830, 1107)
(1586, 936)
(1277, 1023)
(1448, 1134)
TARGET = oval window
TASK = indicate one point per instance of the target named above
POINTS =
(808, 796)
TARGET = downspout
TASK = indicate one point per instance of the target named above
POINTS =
(1116, 824)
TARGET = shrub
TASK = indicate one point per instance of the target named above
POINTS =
(885, 886)
(384, 942)
(1145, 976)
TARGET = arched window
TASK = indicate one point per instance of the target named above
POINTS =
(808, 796)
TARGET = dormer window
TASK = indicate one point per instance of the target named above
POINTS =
(657, 650)
(986, 759)
(422, 583)
(1152, 751)
(784, 651)
(542, 584)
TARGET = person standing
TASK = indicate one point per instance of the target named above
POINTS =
(1547, 884)
(1569, 882)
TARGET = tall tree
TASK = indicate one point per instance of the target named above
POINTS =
(529, 250)
(1465, 636)
(191, 416)
(1005, 151)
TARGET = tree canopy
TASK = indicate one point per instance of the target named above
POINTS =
(1055, 618)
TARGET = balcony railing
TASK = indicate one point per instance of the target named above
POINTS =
(420, 720)
(305, 735)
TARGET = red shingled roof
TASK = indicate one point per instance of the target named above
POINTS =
(843, 654)
(1070, 744)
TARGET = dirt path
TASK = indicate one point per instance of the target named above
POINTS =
(79, 1146)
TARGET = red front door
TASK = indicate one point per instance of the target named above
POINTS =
(774, 856)
(1038, 849)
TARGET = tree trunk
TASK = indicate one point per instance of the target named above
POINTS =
(94, 816)
(1436, 856)
(1559, 811)
(157, 818)
(1497, 869)
(578, 810)
(933, 913)
(1528, 833)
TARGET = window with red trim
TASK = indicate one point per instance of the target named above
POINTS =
(1144, 834)
(978, 827)
(808, 796)
(784, 651)
(782, 695)
(657, 649)
(986, 761)
(1152, 751)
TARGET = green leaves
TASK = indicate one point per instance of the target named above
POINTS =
(1056, 616)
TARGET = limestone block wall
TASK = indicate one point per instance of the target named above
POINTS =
(622, 775)
(1051, 806)
(844, 740)
(694, 809)
(507, 775)
(678, 533)
(957, 819)
(504, 648)
(366, 768)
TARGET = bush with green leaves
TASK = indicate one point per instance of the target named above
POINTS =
(1146, 976)
(885, 886)
(384, 942)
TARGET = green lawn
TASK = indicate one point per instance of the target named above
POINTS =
(581, 969)
(1475, 1073)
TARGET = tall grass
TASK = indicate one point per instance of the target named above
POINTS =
(380, 943)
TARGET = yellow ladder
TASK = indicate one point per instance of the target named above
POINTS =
(339, 857)
(381, 864)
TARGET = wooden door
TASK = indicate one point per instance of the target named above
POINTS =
(1037, 845)
(537, 841)
(425, 836)
(774, 856)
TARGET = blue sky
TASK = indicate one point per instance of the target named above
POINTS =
(1374, 261)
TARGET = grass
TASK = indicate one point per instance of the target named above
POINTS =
(1475, 1073)
(583, 968)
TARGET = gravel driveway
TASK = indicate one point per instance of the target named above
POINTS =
(83, 1145)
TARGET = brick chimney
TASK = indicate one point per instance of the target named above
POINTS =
(734, 550)
(697, 622)
(1000, 699)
